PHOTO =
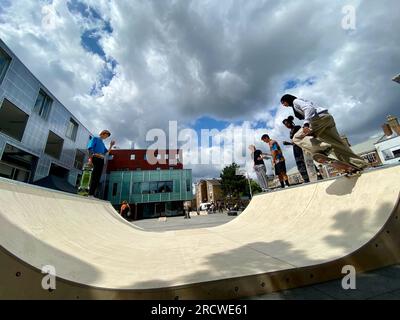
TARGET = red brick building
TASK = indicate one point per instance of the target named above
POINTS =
(153, 182)
(131, 160)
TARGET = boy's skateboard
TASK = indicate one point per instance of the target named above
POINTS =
(344, 167)
(84, 187)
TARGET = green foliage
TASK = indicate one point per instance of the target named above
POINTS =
(255, 187)
(233, 186)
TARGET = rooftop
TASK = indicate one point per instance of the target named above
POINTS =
(366, 146)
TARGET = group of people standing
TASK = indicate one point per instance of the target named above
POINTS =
(278, 162)
(317, 136)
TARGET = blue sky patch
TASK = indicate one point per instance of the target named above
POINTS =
(294, 83)
(90, 41)
(210, 123)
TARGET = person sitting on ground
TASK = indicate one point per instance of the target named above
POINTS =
(278, 160)
(319, 133)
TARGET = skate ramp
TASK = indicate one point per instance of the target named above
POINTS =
(285, 239)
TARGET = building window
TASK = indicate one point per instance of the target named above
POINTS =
(133, 157)
(387, 154)
(79, 159)
(114, 189)
(43, 105)
(5, 60)
(54, 145)
(10, 172)
(165, 187)
(370, 157)
(396, 153)
(12, 120)
(153, 187)
(145, 188)
(17, 164)
(136, 188)
(72, 129)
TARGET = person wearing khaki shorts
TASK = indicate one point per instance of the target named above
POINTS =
(319, 133)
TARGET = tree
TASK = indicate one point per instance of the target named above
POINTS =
(232, 185)
(255, 187)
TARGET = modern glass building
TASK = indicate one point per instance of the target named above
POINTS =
(152, 190)
(38, 135)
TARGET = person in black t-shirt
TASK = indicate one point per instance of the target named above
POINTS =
(259, 167)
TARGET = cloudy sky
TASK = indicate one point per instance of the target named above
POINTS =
(134, 65)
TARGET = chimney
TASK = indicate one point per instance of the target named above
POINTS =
(387, 130)
(345, 140)
(394, 124)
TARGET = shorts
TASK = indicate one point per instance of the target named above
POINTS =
(280, 167)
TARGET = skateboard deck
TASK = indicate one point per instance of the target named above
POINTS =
(84, 187)
(344, 167)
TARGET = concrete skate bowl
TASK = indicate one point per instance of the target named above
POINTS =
(286, 239)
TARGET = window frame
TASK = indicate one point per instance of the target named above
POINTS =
(6, 67)
(75, 128)
(43, 111)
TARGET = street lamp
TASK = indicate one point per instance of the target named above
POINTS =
(397, 78)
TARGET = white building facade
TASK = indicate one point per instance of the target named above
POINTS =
(389, 150)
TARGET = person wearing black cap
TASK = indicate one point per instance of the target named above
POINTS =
(97, 153)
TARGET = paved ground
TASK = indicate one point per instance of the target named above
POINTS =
(179, 223)
(379, 284)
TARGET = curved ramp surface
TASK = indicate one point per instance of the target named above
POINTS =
(294, 237)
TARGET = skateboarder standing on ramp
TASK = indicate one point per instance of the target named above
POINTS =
(278, 160)
(97, 152)
(320, 137)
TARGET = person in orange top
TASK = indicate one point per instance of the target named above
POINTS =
(125, 209)
(278, 160)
